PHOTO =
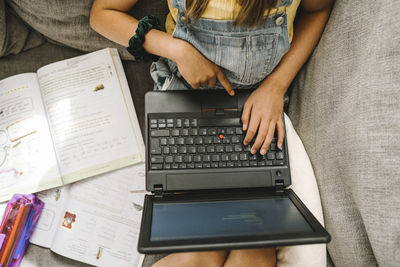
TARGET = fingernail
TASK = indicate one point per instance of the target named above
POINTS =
(244, 127)
(232, 93)
(280, 146)
(253, 151)
(263, 151)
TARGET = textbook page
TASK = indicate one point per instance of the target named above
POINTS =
(101, 219)
(89, 115)
(27, 158)
(55, 200)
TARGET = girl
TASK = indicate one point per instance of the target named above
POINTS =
(241, 44)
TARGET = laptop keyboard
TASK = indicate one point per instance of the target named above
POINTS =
(202, 143)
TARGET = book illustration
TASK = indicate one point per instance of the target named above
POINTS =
(99, 253)
(69, 219)
(21, 129)
(4, 147)
(46, 220)
(99, 87)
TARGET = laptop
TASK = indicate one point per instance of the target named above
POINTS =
(207, 191)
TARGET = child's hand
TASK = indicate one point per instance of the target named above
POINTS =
(263, 111)
(197, 70)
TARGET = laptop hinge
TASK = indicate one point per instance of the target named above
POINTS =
(279, 186)
(158, 191)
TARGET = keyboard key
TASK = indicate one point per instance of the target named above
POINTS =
(270, 155)
(238, 164)
(153, 126)
(174, 150)
(189, 141)
(153, 121)
(238, 148)
(235, 140)
(198, 165)
(214, 165)
(216, 140)
(272, 147)
(219, 149)
(163, 141)
(154, 142)
(162, 125)
(155, 151)
(178, 123)
(206, 158)
(228, 149)
(175, 166)
(175, 132)
(169, 159)
(234, 157)
(212, 131)
(207, 140)
(224, 157)
(244, 157)
(201, 149)
(230, 164)
(159, 133)
(169, 121)
(166, 150)
(261, 163)
(238, 130)
(186, 123)
(206, 165)
(193, 132)
(161, 121)
(170, 125)
(190, 165)
(184, 132)
(215, 158)
(182, 150)
(171, 141)
(180, 141)
(178, 159)
(226, 140)
(269, 163)
(278, 162)
(245, 164)
(156, 166)
(157, 159)
(222, 164)
(192, 149)
(210, 149)
(167, 166)
(197, 158)
(198, 140)
(253, 163)
(279, 155)
(193, 122)
(247, 148)
(230, 131)
(187, 158)
(182, 166)
(202, 131)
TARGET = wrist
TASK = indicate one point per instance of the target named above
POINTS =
(274, 85)
(176, 49)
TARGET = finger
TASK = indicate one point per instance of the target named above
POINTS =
(225, 83)
(195, 85)
(262, 133)
(268, 138)
(203, 84)
(251, 131)
(281, 133)
(212, 81)
(246, 116)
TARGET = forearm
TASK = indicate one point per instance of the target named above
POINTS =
(309, 26)
(118, 26)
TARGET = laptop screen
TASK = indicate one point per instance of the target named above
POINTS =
(211, 219)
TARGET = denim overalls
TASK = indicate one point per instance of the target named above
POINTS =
(246, 55)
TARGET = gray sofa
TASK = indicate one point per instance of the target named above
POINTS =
(344, 105)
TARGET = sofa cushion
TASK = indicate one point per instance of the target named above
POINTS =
(345, 107)
(67, 22)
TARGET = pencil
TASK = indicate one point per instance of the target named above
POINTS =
(10, 239)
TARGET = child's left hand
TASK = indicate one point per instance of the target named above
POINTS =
(263, 111)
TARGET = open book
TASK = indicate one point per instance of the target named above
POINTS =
(96, 220)
(71, 120)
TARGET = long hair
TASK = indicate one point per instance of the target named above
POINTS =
(251, 11)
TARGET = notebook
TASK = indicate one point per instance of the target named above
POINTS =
(208, 192)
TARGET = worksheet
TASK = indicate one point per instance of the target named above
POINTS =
(96, 220)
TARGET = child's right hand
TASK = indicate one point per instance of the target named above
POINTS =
(197, 70)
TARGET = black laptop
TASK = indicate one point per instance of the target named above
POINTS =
(208, 192)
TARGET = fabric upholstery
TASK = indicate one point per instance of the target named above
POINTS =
(346, 109)
(67, 23)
